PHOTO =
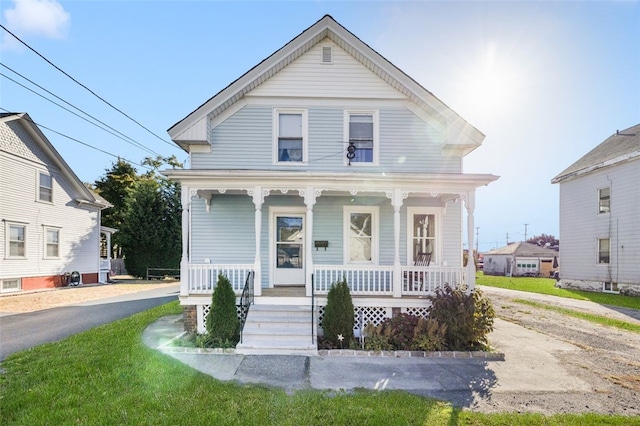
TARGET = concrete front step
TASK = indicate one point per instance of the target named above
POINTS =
(278, 329)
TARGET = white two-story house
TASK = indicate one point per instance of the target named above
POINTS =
(50, 222)
(325, 161)
(600, 217)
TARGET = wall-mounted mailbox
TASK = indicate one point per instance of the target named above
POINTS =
(321, 244)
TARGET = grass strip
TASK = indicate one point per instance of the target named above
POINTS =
(598, 319)
(107, 376)
(547, 286)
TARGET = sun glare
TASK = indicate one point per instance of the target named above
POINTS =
(492, 85)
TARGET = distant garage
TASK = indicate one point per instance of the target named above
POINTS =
(521, 259)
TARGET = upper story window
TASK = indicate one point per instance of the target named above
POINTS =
(604, 200)
(16, 240)
(604, 250)
(45, 187)
(361, 128)
(290, 136)
(361, 234)
(52, 243)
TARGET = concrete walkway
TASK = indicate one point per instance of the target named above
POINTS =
(529, 365)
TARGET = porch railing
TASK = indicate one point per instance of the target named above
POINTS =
(203, 277)
(362, 279)
(420, 280)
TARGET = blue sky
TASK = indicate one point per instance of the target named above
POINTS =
(544, 81)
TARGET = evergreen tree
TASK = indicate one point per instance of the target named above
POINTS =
(222, 322)
(339, 315)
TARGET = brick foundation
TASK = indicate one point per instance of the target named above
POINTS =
(190, 318)
(37, 283)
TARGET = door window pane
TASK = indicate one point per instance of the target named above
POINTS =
(424, 234)
(289, 239)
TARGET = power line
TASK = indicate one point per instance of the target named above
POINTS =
(80, 142)
(83, 86)
(127, 140)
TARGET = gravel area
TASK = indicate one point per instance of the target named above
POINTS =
(14, 303)
(607, 358)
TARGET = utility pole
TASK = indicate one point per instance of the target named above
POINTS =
(525, 231)
(507, 238)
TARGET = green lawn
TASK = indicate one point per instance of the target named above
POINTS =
(547, 286)
(106, 376)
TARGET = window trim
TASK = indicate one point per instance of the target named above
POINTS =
(18, 288)
(305, 135)
(436, 256)
(600, 199)
(598, 252)
(45, 239)
(39, 187)
(375, 233)
(8, 225)
(376, 135)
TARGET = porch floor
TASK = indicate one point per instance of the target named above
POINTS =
(284, 291)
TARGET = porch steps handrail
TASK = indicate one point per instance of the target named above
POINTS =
(246, 299)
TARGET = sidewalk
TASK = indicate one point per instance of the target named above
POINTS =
(529, 365)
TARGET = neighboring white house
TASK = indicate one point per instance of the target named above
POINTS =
(600, 216)
(521, 259)
(50, 220)
(324, 161)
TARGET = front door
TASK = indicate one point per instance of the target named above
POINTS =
(289, 249)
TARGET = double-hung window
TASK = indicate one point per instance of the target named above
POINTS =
(604, 200)
(45, 187)
(17, 238)
(361, 129)
(361, 234)
(604, 250)
(52, 242)
(290, 136)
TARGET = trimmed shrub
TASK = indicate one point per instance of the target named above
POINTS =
(338, 315)
(468, 318)
(222, 322)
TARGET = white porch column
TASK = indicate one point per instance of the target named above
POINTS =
(258, 199)
(396, 201)
(470, 203)
(310, 195)
(185, 200)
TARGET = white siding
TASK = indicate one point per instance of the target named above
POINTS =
(581, 226)
(345, 77)
(79, 226)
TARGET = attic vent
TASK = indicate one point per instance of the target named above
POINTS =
(326, 55)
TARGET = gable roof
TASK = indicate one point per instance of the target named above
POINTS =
(84, 194)
(522, 249)
(460, 133)
(620, 147)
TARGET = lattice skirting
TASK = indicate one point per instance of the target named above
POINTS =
(203, 310)
(362, 315)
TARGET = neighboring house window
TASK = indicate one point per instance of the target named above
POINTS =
(17, 237)
(604, 200)
(45, 188)
(422, 233)
(361, 130)
(10, 284)
(604, 250)
(290, 136)
(361, 234)
(52, 244)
